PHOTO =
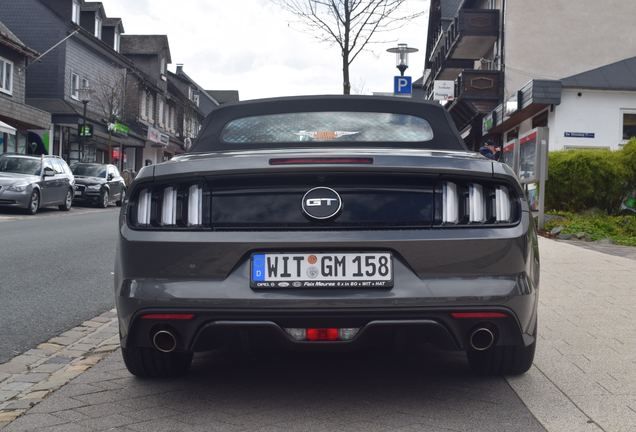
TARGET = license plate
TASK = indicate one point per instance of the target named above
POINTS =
(322, 270)
(78, 193)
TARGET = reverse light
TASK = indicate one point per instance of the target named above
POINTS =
(299, 334)
(144, 205)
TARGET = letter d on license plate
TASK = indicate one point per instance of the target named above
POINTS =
(321, 270)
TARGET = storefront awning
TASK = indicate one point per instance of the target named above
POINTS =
(8, 129)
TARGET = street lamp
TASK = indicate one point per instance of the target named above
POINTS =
(85, 94)
(402, 56)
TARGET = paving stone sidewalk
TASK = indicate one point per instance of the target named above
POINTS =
(584, 374)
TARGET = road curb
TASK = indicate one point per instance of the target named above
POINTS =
(29, 378)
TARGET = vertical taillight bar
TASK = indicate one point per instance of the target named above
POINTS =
(144, 207)
(450, 203)
(477, 203)
(169, 206)
(502, 204)
(195, 205)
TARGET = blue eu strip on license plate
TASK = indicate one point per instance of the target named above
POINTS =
(321, 270)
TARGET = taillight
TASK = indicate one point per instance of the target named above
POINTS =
(475, 203)
(174, 206)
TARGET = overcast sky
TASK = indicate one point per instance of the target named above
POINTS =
(255, 47)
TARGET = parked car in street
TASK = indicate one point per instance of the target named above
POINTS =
(99, 184)
(327, 222)
(33, 182)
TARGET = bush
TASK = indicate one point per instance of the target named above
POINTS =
(621, 229)
(629, 161)
(585, 179)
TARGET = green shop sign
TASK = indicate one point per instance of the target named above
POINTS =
(85, 130)
(118, 128)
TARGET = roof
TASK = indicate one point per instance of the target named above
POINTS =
(224, 96)
(614, 76)
(92, 6)
(8, 38)
(145, 44)
(54, 106)
(113, 22)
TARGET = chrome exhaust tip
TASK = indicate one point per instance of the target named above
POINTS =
(481, 339)
(164, 341)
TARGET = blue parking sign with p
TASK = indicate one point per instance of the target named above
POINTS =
(402, 85)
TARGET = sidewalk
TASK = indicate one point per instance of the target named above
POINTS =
(583, 379)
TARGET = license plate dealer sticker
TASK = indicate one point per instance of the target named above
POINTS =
(321, 270)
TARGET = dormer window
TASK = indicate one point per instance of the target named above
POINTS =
(163, 68)
(98, 27)
(117, 40)
(75, 14)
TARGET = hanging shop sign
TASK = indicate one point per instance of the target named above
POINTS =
(118, 129)
(85, 130)
(444, 90)
(487, 123)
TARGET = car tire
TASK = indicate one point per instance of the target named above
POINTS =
(104, 199)
(34, 203)
(150, 363)
(68, 202)
(122, 198)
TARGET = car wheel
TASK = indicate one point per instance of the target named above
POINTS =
(104, 199)
(150, 363)
(34, 203)
(68, 201)
(122, 198)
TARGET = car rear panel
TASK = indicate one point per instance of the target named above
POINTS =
(437, 269)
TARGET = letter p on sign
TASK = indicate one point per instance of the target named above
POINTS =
(402, 85)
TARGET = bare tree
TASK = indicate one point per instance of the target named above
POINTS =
(351, 24)
(109, 94)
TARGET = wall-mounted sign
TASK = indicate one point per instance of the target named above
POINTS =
(444, 90)
(157, 137)
(487, 123)
(118, 128)
(85, 130)
(579, 134)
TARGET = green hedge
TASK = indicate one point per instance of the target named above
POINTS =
(579, 180)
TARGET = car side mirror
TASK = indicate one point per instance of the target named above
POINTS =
(48, 172)
(110, 177)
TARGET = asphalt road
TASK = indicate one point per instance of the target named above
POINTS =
(55, 272)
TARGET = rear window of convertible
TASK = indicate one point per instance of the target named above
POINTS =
(345, 126)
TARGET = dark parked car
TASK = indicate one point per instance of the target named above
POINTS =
(98, 184)
(327, 223)
(33, 182)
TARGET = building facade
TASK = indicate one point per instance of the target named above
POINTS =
(494, 50)
(23, 129)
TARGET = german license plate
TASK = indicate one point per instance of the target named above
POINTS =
(321, 270)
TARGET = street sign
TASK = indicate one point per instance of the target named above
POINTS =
(444, 90)
(402, 85)
(85, 130)
(118, 128)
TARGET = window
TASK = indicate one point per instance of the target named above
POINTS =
(57, 166)
(628, 124)
(75, 86)
(160, 119)
(166, 111)
(98, 27)
(163, 66)
(143, 106)
(85, 83)
(6, 76)
(343, 126)
(117, 40)
(75, 15)
(150, 107)
(540, 120)
(196, 99)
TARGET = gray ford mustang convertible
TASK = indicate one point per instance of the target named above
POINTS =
(327, 222)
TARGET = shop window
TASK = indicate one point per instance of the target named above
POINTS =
(6, 76)
(628, 125)
(512, 134)
(540, 120)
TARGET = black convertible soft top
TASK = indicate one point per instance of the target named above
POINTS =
(444, 134)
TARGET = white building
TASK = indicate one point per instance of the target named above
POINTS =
(592, 109)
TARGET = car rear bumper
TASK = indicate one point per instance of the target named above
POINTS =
(436, 273)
